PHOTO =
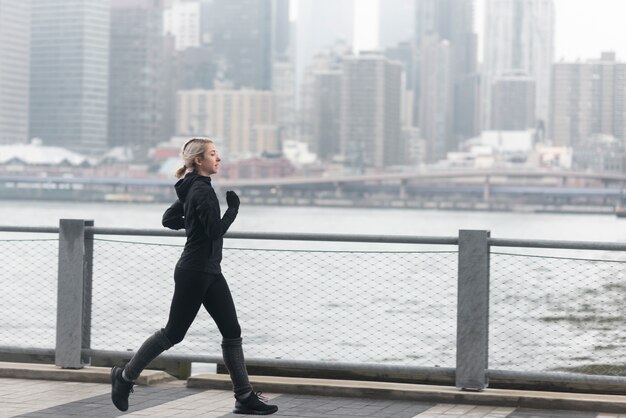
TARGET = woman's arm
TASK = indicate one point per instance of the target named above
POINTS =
(174, 216)
(209, 215)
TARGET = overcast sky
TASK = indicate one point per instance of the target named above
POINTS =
(584, 28)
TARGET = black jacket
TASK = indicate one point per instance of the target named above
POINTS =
(198, 211)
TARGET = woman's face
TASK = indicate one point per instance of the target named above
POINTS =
(210, 163)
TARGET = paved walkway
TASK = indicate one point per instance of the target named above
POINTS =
(43, 390)
(45, 398)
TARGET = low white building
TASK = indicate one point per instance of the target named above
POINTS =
(36, 153)
(508, 149)
(298, 152)
(503, 142)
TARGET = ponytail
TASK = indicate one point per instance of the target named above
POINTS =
(181, 172)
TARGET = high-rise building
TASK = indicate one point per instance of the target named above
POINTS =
(182, 20)
(326, 59)
(138, 87)
(241, 33)
(14, 70)
(245, 120)
(513, 98)
(396, 22)
(281, 37)
(519, 37)
(326, 114)
(404, 52)
(69, 73)
(588, 99)
(444, 31)
(437, 98)
(371, 114)
(283, 86)
(196, 68)
(320, 24)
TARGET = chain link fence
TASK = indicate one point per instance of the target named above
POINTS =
(558, 313)
(28, 299)
(375, 305)
(322, 305)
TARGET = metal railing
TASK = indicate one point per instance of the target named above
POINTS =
(452, 307)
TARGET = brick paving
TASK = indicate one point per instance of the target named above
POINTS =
(41, 398)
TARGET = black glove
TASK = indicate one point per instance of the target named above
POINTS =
(232, 199)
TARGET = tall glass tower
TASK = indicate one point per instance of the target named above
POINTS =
(14, 70)
(69, 73)
(447, 86)
(519, 38)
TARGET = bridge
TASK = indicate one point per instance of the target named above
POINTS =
(463, 189)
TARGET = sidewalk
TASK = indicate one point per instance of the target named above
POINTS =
(51, 392)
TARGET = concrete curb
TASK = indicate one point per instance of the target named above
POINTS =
(430, 393)
(87, 374)
(331, 387)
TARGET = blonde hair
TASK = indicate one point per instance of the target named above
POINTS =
(193, 148)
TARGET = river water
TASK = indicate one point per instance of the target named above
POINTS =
(339, 302)
(335, 220)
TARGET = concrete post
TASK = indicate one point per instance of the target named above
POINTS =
(70, 293)
(472, 311)
(87, 292)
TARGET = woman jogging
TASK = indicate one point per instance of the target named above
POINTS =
(198, 280)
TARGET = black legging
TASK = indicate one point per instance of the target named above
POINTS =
(193, 289)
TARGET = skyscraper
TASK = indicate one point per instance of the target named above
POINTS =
(320, 24)
(371, 122)
(138, 85)
(14, 70)
(444, 32)
(283, 87)
(313, 107)
(241, 33)
(406, 54)
(519, 37)
(326, 112)
(195, 68)
(69, 73)
(513, 98)
(437, 97)
(588, 99)
(182, 20)
(281, 27)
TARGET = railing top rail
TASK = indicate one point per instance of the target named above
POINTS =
(564, 245)
(386, 239)
(33, 229)
(288, 236)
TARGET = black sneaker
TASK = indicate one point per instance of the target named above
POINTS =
(120, 389)
(254, 405)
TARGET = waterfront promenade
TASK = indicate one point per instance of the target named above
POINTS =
(29, 390)
(472, 316)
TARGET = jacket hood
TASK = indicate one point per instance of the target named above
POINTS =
(183, 185)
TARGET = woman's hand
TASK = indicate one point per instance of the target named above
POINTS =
(232, 199)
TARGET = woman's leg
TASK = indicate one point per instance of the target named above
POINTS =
(188, 291)
(218, 301)
(187, 299)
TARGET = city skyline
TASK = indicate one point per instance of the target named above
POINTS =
(235, 63)
(577, 35)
